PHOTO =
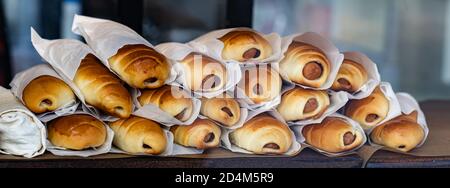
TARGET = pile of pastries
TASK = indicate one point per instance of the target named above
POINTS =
(280, 88)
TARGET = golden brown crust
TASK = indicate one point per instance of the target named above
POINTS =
(332, 135)
(76, 132)
(301, 104)
(305, 64)
(225, 110)
(245, 45)
(46, 93)
(402, 133)
(263, 134)
(204, 73)
(139, 135)
(369, 111)
(261, 84)
(201, 134)
(351, 77)
(140, 66)
(170, 99)
(102, 89)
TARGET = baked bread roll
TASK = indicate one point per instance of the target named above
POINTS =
(261, 84)
(139, 135)
(401, 133)
(300, 104)
(263, 134)
(305, 64)
(245, 45)
(76, 132)
(170, 99)
(102, 89)
(46, 93)
(203, 73)
(333, 135)
(368, 111)
(351, 77)
(223, 109)
(140, 66)
(201, 134)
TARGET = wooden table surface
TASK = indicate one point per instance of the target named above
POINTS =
(306, 159)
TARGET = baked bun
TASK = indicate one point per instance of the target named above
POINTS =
(402, 133)
(333, 135)
(223, 109)
(368, 111)
(263, 134)
(351, 77)
(102, 89)
(305, 64)
(261, 84)
(203, 73)
(300, 104)
(201, 134)
(46, 93)
(140, 66)
(139, 135)
(170, 99)
(76, 132)
(245, 45)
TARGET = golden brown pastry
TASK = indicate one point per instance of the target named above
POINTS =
(261, 84)
(351, 77)
(201, 134)
(76, 132)
(401, 133)
(102, 89)
(140, 66)
(46, 93)
(245, 45)
(333, 135)
(368, 111)
(139, 135)
(203, 73)
(300, 104)
(170, 99)
(305, 64)
(263, 134)
(223, 109)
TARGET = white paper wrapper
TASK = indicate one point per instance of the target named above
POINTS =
(21, 132)
(337, 101)
(105, 148)
(210, 44)
(178, 51)
(244, 113)
(153, 112)
(22, 79)
(408, 104)
(65, 56)
(250, 105)
(226, 143)
(373, 76)
(327, 47)
(394, 106)
(106, 37)
(300, 138)
(181, 150)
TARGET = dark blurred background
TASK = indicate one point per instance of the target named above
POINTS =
(408, 39)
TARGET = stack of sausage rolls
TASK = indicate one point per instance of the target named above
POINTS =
(314, 73)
